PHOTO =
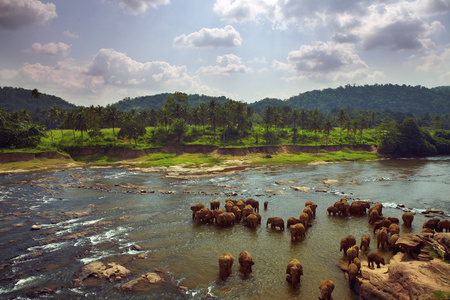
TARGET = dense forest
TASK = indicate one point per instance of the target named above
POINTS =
(378, 97)
(225, 123)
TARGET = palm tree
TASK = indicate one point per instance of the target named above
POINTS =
(315, 122)
(81, 121)
(342, 119)
(327, 127)
(112, 118)
(203, 114)
(362, 123)
(268, 117)
(212, 112)
(36, 95)
(54, 115)
(303, 118)
(295, 118)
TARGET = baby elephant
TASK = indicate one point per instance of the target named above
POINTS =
(246, 262)
(294, 270)
(326, 288)
(225, 263)
(375, 258)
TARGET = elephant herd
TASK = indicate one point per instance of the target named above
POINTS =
(247, 211)
(385, 229)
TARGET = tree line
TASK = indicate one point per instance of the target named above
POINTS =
(228, 123)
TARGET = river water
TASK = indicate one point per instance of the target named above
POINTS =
(160, 222)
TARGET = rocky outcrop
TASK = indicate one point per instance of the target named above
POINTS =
(111, 272)
(405, 277)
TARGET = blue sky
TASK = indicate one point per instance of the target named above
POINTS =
(100, 51)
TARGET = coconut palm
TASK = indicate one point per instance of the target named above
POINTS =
(112, 118)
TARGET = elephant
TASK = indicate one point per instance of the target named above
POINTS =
(241, 204)
(374, 258)
(246, 263)
(343, 207)
(394, 229)
(326, 288)
(254, 203)
(352, 253)
(292, 221)
(382, 238)
(297, 230)
(392, 246)
(231, 200)
(294, 270)
(258, 216)
(226, 219)
(196, 208)
(311, 205)
(225, 263)
(229, 206)
(204, 215)
(308, 211)
(266, 203)
(380, 224)
(393, 220)
(357, 262)
(352, 273)
(359, 207)
(252, 221)
(432, 224)
(408, 218)
(332, 210)
(275, 222)
(237, 213)
(373, 216)
(304, 219)
(248, 209)
(378, 207)
(216, 213)
(215, 204)
(347, 242)
(443, 226)
(365, 242)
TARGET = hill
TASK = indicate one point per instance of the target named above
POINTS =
(14, 99)
(396, 98)
(157, 101)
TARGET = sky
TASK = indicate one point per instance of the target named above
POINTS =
(97, 52)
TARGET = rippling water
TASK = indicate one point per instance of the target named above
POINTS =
(160, 222)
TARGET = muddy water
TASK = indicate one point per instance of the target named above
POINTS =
(159, 220)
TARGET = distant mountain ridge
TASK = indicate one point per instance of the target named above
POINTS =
(380, 97)
(14, 99)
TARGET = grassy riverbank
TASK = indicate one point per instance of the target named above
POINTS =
(188, 160)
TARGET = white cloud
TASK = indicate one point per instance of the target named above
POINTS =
(52, 49)
(117, 68)
(70, 34)
(432, 61)
(8, 75)
(324, 62)
(395, 24)
(135, 7)
(16, 14)
(226, 37)
(226, 65)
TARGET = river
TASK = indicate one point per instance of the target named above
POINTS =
(119, 208)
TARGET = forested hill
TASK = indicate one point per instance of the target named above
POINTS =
(15, 99)
(157, 101)
(380, 97)
(397, 98)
